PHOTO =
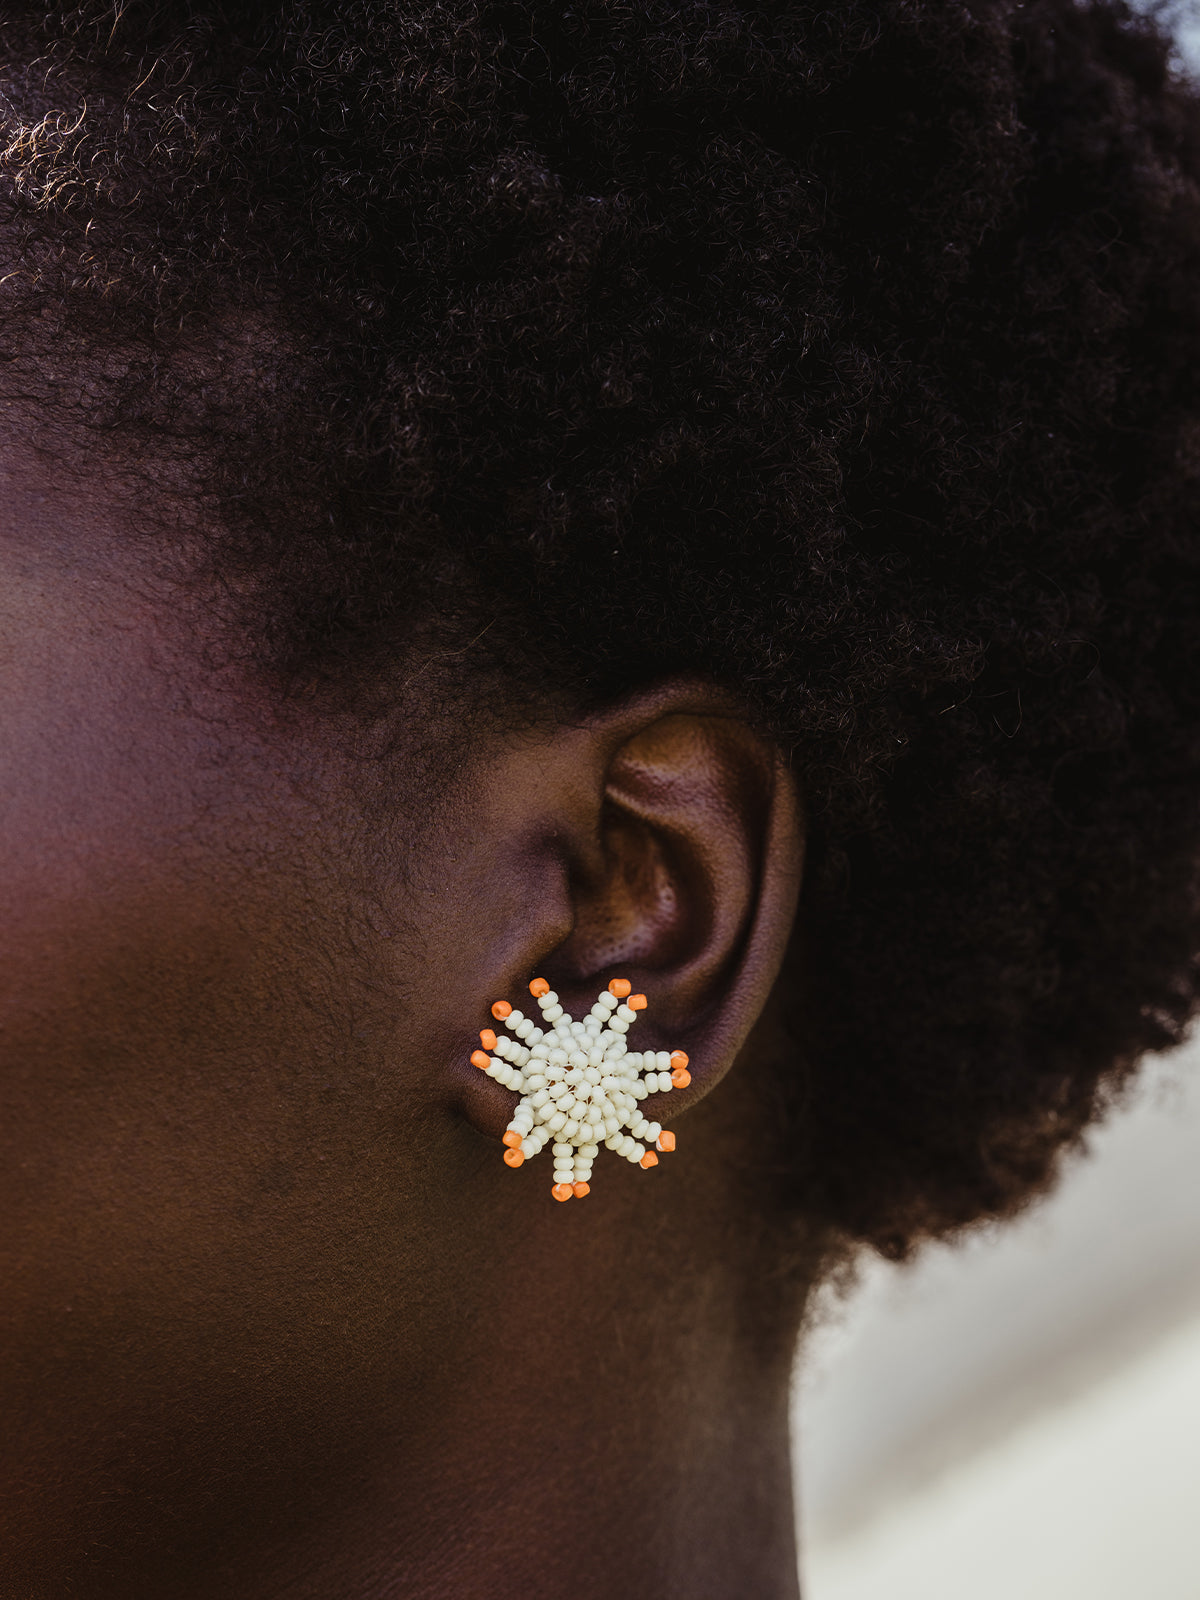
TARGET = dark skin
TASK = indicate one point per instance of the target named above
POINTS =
(277, 1320)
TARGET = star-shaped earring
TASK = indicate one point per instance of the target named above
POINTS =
(580, 1084)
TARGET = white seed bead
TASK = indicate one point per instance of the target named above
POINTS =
(626, 1013)
(653, 1131)
(613, 1140)
(570, 1128)
(557, 1122)
(664, 1083)
(589, 1151)
(561, 1148)
(552, 1013)
(636, 1153)
(618, 1025)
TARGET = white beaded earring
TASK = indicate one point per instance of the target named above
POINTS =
(580, 1084)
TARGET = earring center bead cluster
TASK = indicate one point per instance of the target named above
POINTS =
(580, 1084)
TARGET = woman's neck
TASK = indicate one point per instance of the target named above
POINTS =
(608, 1433)
(588, 1400)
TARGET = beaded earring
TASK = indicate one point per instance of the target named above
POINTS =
(580, 1084)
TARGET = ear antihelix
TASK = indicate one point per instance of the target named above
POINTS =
(580, 1084)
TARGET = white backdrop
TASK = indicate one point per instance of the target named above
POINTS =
(1019, 1418)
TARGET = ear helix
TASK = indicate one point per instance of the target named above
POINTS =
(580, 1084)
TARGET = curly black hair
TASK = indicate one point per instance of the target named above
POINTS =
(848, 356)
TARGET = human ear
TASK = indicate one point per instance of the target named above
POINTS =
(662, 843)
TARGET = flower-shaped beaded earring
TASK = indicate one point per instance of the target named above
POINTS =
(580, 1083)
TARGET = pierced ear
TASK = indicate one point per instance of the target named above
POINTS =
(690, 886)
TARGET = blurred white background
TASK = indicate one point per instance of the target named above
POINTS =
(1018, 1418)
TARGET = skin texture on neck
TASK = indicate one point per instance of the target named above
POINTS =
(278, 1321)
(590, 1415)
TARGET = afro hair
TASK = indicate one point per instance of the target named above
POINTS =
(859, 344)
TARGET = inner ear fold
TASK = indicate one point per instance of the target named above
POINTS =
(672, 897)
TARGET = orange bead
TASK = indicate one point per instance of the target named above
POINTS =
(513, 1158)
(538, 988)
(501, 1010)
(681, 1077)
(487, 1039)
(480, 1060)
(648, 1160)
(512, 1139)
(562, 1191)
(678, 1060)
(620, 987)
(580, 1189)
(665, 1141)
(636, 1002)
